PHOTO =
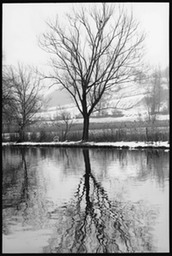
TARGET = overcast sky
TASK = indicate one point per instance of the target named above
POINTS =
(24, 23)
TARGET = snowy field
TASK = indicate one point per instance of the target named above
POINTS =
(129, 100)
(131, 116)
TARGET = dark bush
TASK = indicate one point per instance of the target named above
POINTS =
(74, 136)
(117, 113)
(45, 136)
(164, 111)
(34, 137)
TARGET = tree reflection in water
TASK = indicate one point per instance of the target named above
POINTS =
(94, 224)
(22, 203)
(14, 196)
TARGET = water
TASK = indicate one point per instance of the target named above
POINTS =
(58, 200)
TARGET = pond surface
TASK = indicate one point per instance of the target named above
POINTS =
(68, 200)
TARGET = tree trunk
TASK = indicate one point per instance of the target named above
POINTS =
(25, 190)
(85, 134)
(21, 134)
(87, 179)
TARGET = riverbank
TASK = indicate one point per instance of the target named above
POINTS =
(119, 144)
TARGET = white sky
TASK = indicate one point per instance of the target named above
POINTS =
(24, 23)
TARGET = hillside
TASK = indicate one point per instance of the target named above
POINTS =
(129, 100)
(57, 98)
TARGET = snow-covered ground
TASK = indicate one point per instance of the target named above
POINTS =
(128, 117)
(129, 100)
(119, 144)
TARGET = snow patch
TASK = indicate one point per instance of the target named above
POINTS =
(119, 144)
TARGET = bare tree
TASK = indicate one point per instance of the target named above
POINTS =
(165, 96)
(65, 122)
(7, 99)
(25, 88)
(97, 50)
(103, 104)
(153, 100)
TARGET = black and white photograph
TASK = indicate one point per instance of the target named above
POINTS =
(85, 127)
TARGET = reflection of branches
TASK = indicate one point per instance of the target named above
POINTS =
(152, 163)
(22, 202)
(16, 196)
(25, 186)
(94, 224)
(156, 158)
(23, 194)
